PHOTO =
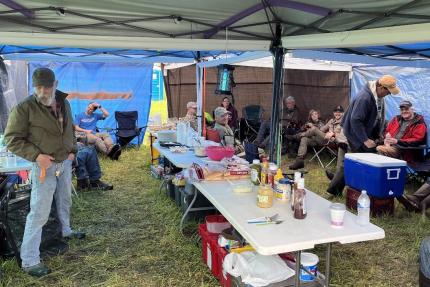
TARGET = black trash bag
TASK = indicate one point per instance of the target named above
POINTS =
(52, 242)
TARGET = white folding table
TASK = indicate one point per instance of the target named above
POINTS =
(182, 160)
(292, 235)
(21, 164)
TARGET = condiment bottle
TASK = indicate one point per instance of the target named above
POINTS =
(283, 190)
(297, 176)
(278, 176)
(300, 200)
(256, 172)
(273, 168)
(265, 196)
(264, 171)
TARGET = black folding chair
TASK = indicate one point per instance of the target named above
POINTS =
(251, 121)
(127, 128)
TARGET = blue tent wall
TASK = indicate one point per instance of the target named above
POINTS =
(134, 78)
(413, 82)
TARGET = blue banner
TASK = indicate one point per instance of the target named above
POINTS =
(116, 86)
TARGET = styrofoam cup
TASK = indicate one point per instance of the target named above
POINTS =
(337, 213)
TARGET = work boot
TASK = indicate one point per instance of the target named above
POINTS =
(76, 235)
(329, 174)
(113, 150)
(117, 154)
(82, 184)
(337, 184)
(37, 270)
(100, 185)
(298, 163)
(408, 203)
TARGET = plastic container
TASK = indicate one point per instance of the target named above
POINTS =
(256, 172)
(209, 249)
(381, 176)
(217, 153)
(283, 190)
(363, 209)
(310, 263)
(166, 136)
(216, 223)
(265, 196)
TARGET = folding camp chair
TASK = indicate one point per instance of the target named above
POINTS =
(331, 150)
(127, 128)
(251, 151)
(250, 123)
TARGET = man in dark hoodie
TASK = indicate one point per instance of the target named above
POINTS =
(405, 130)
(363, 122)
(40, 129)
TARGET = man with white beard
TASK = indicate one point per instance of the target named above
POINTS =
(40, 130)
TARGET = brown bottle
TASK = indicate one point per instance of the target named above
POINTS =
(300, 200)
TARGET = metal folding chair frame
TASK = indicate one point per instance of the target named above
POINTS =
(317, 155)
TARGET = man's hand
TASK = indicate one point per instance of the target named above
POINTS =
(44, 160)
(71, 157)
(88, 131)
(391, 140)
(370, 143)
(329, 135)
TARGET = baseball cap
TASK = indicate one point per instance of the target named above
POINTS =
(43, 77)
(389, 82)
(338, 109)
(405, 104)
(220, 111)
(191, 105)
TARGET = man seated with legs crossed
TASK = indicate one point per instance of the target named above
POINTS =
(86, 123)
(332, 131)
(405, 130)
(88, 171)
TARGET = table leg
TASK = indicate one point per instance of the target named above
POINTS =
(327, 264)
(297, 281)
(188, 209)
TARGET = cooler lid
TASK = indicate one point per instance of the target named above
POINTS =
(375, 159)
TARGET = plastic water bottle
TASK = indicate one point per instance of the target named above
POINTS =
(363, 208)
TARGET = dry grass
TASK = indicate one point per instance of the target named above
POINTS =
(133, 240)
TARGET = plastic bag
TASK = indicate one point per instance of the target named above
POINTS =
(256, 269)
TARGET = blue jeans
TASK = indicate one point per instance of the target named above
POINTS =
(88, 163)
(42, 194)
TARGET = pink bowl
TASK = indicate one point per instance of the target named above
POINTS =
(219, 152)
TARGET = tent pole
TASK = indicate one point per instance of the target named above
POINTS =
(203, 119)
(277, 92)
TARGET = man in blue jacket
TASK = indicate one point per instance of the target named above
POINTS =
(364, 122)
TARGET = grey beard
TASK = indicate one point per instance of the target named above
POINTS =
(46, 100)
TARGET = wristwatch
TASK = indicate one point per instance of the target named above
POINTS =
(100, 106)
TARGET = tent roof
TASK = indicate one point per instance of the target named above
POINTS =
(207, 25)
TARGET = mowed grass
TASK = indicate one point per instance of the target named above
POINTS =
(133, 239)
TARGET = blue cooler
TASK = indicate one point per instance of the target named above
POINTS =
(380, 176)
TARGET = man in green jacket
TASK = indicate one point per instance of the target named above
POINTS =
(40, 130)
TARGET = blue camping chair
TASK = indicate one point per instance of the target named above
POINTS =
(127, 128)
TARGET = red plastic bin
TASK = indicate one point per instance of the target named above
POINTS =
(224, 278)
(216, 223)
(209, 249)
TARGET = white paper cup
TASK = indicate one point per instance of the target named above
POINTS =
(337, 213)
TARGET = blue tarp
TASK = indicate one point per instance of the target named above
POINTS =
(413, 82)
(116, 86)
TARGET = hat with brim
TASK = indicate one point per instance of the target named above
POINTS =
(43, 77)
(389, 82)
(405, 104)
(220, 111)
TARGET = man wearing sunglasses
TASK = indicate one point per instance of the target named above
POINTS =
(363, 122)
(405, 130)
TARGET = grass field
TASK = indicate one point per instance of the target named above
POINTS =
(134, 240)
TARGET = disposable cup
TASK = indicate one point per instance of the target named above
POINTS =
(337, 213)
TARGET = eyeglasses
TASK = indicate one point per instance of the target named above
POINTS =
(404, 109)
